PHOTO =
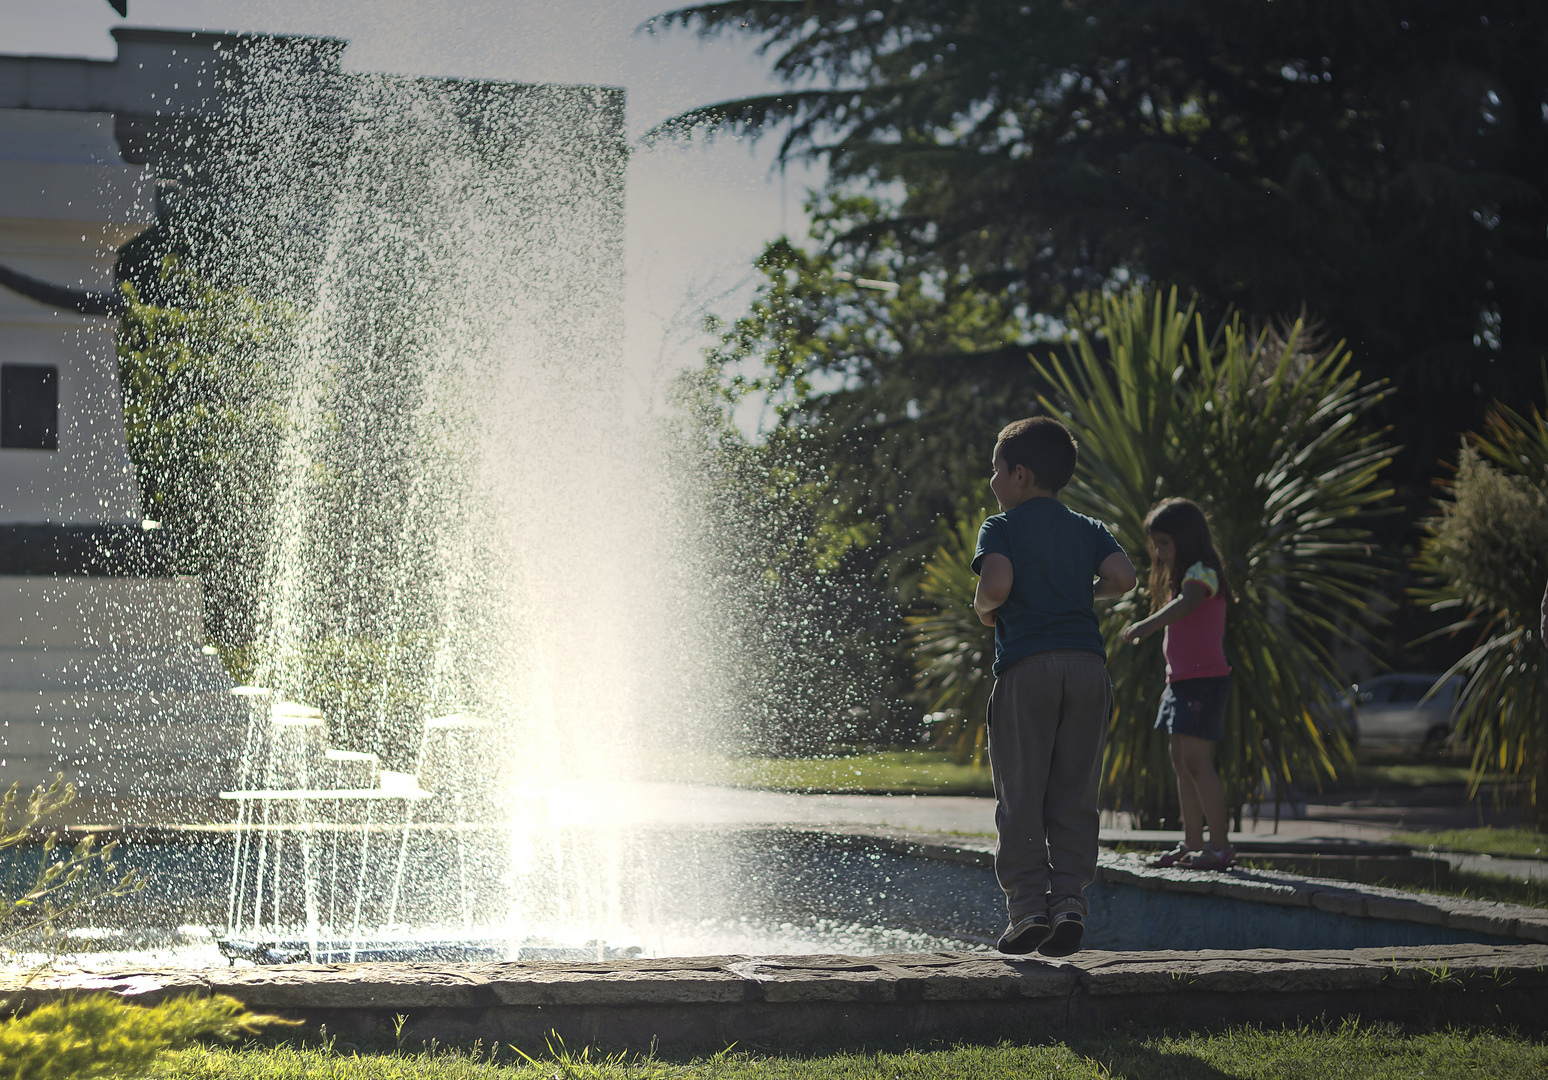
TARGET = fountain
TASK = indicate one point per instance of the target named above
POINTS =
(470, 556)
(472, 520)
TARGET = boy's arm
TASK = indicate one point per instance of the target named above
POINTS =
(1115, 576)
(995, 576)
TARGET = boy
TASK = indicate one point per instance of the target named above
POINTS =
(1052, 700)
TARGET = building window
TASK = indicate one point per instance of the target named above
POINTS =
(29, 407)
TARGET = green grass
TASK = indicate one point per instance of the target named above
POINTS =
(1529, 892)
(1483, 841)
(1402, 774)
(1344, 1052)
(933, 772)
(901, 772)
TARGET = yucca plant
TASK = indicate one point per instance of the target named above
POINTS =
(1486, 551)
(1266, 436)
(952, 651)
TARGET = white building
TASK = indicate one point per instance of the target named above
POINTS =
(103, 671)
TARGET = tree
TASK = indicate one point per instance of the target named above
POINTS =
(801, 622)
(880, 394)
(1380, 162)
(1486, 553)
(1265, 434)
(204, 410)
(879, 387)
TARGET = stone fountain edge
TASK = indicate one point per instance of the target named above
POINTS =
(810, 1002)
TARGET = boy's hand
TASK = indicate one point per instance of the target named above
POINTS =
(985, 617)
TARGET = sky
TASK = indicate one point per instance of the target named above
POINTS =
(697, 215)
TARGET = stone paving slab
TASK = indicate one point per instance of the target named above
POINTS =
(1325, 828)
(1511, 921)
(819, 978)
(1342, 897)
(1259, 842)
(809, 1000)
(806, 1001)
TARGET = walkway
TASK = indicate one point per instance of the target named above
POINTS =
(973, 816)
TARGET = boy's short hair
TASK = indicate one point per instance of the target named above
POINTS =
(1044, 446)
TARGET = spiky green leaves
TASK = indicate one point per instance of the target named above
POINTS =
(1487, 553)
(952, 650)
(1266, 435)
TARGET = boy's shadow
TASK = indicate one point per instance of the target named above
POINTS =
(1124, 1053)
(1126, 1057)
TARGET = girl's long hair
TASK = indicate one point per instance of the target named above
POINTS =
(1185, 523)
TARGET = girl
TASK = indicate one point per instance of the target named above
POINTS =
(1188, 597)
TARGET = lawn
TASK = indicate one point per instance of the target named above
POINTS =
(1518, 843)
(1392, 771)
(869, 772)
(865, 771)
(1349, 1050)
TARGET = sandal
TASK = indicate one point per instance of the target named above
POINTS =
(1211, 858)
(1173, 857)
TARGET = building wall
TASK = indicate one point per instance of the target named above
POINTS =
(68, 201)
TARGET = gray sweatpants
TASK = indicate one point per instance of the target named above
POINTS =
(1048, 720)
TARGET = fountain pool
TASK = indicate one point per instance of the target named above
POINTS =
(738, 888)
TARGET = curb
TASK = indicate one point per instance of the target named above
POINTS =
(807, 1002)
(1525, 924)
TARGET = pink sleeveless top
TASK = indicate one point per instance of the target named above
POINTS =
(1194, 645)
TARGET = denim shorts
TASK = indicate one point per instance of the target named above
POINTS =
(1195, 707)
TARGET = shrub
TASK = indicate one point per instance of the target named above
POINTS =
(1486, 552)
(66, 879)
(951, 649)
(101, 1036)
(97, 1035)
(1265, 435)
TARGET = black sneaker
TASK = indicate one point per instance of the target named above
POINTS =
(1068, 926)
(1024, 935)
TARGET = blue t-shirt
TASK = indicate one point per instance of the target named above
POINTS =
(1054, 554)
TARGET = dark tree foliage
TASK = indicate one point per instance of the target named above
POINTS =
(1380, 163)
(882, 392)
(203, 385)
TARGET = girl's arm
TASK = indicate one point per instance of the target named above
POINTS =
(995, 577)
(1193, 594)
(1542, 631)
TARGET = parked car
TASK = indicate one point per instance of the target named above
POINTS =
(1389, 711)
(1337, 716)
